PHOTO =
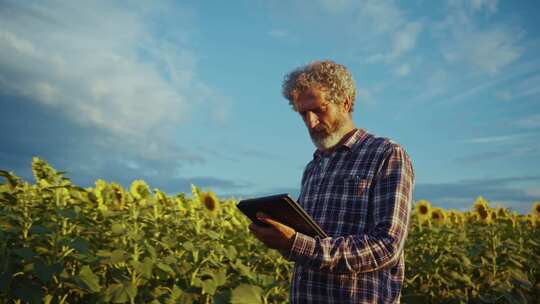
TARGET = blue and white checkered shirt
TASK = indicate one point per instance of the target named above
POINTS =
(361, 197)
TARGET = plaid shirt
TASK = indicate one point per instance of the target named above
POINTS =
(360, 195)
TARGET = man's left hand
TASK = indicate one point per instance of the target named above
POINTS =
(278, 236)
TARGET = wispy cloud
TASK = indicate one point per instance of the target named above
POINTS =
(464, 41)
(278, 33)
(495, 139)
(99, 64)
(532, 121)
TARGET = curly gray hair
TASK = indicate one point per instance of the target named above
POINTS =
(326, 75)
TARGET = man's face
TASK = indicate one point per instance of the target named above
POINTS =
(324, 119)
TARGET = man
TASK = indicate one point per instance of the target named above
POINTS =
(358, 188)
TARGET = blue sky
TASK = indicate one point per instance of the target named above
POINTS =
(190, 91)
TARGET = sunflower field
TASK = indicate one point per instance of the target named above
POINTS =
(61, 243)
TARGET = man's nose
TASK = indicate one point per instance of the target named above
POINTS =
(311, 120)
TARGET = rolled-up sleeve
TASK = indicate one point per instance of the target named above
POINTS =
(382, 244)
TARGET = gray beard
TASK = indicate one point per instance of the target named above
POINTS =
(328, 141)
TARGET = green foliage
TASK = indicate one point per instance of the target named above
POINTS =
(60, 243)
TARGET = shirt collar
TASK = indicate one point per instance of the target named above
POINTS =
(346, 145)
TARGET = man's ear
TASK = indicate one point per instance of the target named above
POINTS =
(347, 104)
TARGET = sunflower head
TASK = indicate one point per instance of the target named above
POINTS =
(423, 211)
(503, 213)
(494, 215)
(455, 217)
(535, 209)
(209, 201)
(101, 191)
(485, 216)
(531, 220)
(161, 197)
(117, 193)
(438, 216)
(472, 217)
(139, 189)
(480, 203)
(423, 208)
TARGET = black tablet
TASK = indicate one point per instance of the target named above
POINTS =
(283, 209)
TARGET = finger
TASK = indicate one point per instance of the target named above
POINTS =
(259, 231)
(268, 220)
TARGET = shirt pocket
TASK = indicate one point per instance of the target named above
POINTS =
(350, 202)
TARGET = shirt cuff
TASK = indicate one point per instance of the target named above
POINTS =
(302, 248)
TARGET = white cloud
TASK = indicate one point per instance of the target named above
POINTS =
(481, 48)
(389, 31)
(403, 70)
(486, 50)
(526, 87)
(405, 39)
(503, 95)
(488, 5)
(532, 121)
(335, 6)
(98, 63)
(472, 6)
(278, 33)
(499, 139)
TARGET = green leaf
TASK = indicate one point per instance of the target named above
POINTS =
(79, 244)
(188, 246)
(27, 290)
(69, 213)
(46, 272)
(166, 268)
(246, 294)
(6, 277)
(175, 294)
(8, 198)
(118, 256)
(221, 277)
(223, 297)
(209, 286)
(244, 270)
(117, 228)
(520, 278)
(145, 267)
(25, 253)
(231, 253)
(36, 229)
(89, 279)
(121, 292)
(213, 235)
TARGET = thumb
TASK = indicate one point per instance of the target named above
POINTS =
(266, 219)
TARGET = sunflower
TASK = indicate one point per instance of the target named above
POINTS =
(503, 213)
(118, 194)
(480, 203)
(209, 201)
(101, 192)
(531, 220)
(494, 215)
(423, 210)
(472, 217)
(485, 216)
(455, 217)
(438, 216)
(139, 189)
(161, 197)
(535, 210)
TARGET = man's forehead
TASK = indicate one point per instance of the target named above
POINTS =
(309, 99)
